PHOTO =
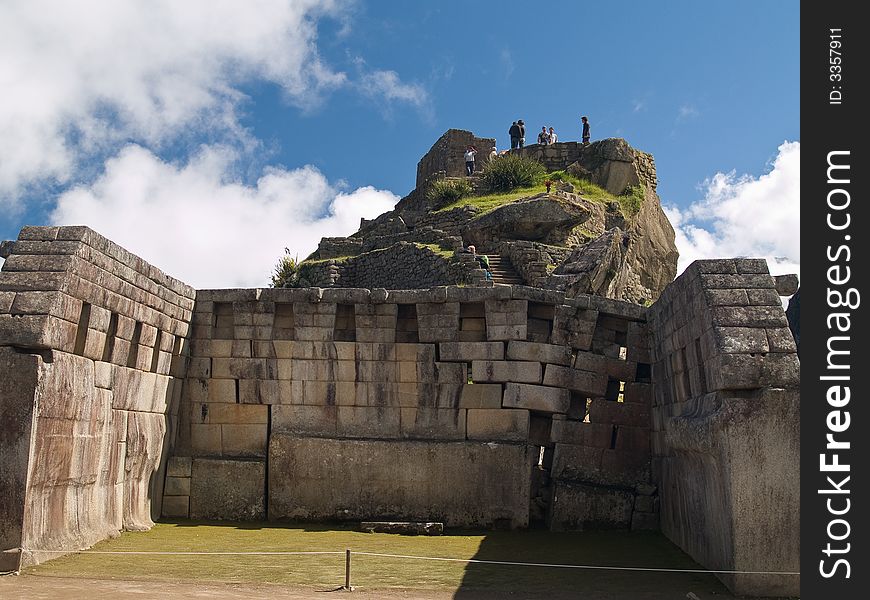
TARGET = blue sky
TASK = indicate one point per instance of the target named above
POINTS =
(209, 136)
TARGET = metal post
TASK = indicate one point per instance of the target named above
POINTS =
(347, 570)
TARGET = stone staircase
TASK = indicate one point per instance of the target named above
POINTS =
(503, 270)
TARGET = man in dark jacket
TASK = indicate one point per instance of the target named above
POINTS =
(522, 127)
(514, 132)
(585, 129)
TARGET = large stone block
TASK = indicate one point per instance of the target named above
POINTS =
(462, 484)
(506, 370)
(243, 439)
(619, 413)
(144, 448)
(480, 395)
(176, 507)
(469, 351)
(536, 397)
(595, 435)
(600, 466)
(504, 424)
(585, 382)
(433, 423)
(582, 507)
(310, 420)
(368, 421)
(228, 489)
(747, 372)
(535, 352)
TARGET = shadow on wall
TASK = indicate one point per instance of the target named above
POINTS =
(601, 548)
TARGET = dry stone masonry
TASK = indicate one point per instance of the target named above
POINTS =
(559, 240)
(90, 340)
(126, 395)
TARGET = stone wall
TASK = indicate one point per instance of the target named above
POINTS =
(357, 404)
(610, 163)
(726, 432)
(447, 154)
(399, 264)
(89, 335)
(477, 406)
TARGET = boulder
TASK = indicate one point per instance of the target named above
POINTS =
(546, 218)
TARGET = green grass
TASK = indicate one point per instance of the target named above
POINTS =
(629, 203)
(318, 261)
(490, 202)
(621, 548)
(436, 249)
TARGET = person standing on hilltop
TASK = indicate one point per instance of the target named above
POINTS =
(470, 151)
(522, 127)
(553, 136)
(544, 137)
(514, 132)
(585, 129)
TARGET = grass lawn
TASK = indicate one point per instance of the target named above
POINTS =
(629, 204)
(639, 549)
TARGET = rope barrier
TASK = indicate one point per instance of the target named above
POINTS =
(564, 566)
(432, 558)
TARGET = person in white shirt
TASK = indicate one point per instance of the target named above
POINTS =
(553, 136)
(470, 151)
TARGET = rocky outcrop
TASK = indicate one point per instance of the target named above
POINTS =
(546, 218)
(620, 246)
(615, 166)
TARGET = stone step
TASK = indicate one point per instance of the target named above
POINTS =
(503, 271)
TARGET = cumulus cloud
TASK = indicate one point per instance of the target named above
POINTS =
(196, 223)
(746, 216)
(388, 85)
(82, 78)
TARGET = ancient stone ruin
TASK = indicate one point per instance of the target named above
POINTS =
(126, 395)
(619, 245)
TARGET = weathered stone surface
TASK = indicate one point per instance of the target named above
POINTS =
(480, 395)
(536, 397)
(595, 435)
(786, 285)
(505, 370)
(586, 382)
(600, 466)
(457, 483)
(433, 423)
(535, 352)
(577, 506)
(17, 401)
(228, 489)
(755, 438)
(144, 447)
(505, 424)
(311, 420)
(469, 351)
(544, 218)
(179, 466)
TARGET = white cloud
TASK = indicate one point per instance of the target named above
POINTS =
(389, 86)
(746, 216)
(686, 112)
(81, 78)
(506, 60)
(195, 223)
